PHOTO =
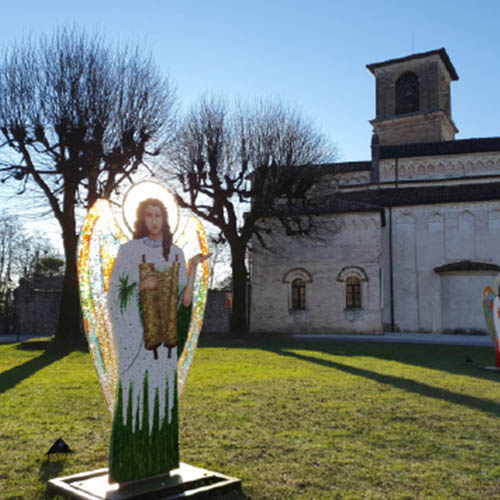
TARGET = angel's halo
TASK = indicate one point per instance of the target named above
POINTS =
(144, 190)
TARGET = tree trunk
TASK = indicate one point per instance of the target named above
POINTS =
(239, 309)
(68, 328)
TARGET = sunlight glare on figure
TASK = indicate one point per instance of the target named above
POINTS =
(142, 191)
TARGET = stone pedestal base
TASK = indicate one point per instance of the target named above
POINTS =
(186, 481)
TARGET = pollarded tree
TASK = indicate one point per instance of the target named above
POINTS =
(77, 118)
(239, 164)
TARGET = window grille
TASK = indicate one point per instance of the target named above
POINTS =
(298, 294)
(353, 292)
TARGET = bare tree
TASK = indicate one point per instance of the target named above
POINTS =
(238, 164)
(77, 118)
(19, 254)
(31, 250)
(9, 240)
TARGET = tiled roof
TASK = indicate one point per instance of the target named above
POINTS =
(329, 205)
(339, 203)
(375, 200)
(457, 147)
(440, 52)
(462, 146)
(340, 168)
(319, 170)
(427, 195)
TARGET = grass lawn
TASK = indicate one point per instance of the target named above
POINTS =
(292, 419)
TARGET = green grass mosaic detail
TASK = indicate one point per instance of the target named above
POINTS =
(135, 453)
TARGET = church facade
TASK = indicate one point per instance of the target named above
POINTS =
(408, 239)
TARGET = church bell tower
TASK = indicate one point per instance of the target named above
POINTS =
(413, 102)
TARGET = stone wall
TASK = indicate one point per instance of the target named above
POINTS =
(37, 303)
(414, 128)
(347, 244)
(217, 312)
(426, 237)
(36, 306)
(461, 301)
(6, 325)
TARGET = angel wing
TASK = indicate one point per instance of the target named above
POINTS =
(192, 239)
(488, 309)
(100, 240)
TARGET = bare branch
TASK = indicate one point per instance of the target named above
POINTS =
(237, 164)
(77, 118)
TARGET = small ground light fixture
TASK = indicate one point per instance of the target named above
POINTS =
(59, 446)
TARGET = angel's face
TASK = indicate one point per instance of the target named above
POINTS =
(153, 220)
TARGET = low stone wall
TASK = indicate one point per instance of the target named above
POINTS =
(217, 312)
(37, 305)
(37, 309)
(5, 325)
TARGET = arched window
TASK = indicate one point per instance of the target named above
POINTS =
(353, 277)
(296, 280)
(298, 294)
(353, 292)
(407, 95)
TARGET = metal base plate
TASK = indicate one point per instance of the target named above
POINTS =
(185, 482)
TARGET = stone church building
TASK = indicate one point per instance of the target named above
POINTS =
(411, 237)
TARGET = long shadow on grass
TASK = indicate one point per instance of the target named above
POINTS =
(50, 469)
(10, 378)
(484, 405)
(459, 360)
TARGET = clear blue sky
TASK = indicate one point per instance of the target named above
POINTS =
(312, 54)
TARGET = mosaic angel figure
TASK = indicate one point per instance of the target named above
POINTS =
(143, 306)
(491, 309)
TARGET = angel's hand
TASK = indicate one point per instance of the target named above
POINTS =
(198, 258)
(149, 282)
